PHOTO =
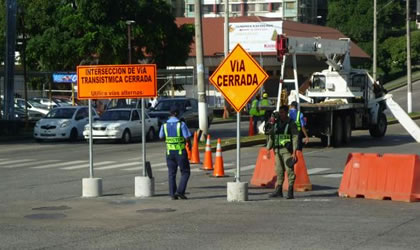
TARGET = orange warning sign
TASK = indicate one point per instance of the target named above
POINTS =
(116, 81)
(238, 77)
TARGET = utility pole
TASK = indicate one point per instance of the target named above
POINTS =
(202, 105)
(409, 86)
(9, 61)
(129, 23)
(374, 40)
(226, 105)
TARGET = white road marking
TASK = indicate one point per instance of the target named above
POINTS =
(31, 163)
(15, 161)
(152, 164)
(121, 165)
(316, 170)
(62, 164)
(242, 168)
(87, 165)
(333, 175)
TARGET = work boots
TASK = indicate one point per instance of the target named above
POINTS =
(290, 193)
(278, 192)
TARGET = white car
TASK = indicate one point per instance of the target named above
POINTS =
(122, 124)
(63, 123)
(20, 102)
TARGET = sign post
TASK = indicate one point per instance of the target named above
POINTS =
(117, 82)
(238, 78)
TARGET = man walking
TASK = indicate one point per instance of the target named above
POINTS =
(297, 117)
(283, 139)
(177, 135)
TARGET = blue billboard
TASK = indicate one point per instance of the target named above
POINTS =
(65, 77)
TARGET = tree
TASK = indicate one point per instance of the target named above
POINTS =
(355, 19)
(61, 34)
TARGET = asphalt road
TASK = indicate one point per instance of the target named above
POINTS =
(41, 207)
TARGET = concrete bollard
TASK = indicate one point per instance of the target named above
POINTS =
(237, 191)
(91, 187)
(144, 186)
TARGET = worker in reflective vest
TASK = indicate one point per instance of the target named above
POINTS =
(298, 118)
(264, 104)
(255, 112)
(177, 136)
(283, 140)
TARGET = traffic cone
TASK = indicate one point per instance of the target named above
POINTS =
(195, 155)
(208, 162)
(251, 131)
(187, 147)
(218, 165)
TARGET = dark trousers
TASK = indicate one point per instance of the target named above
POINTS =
(256, 120)
(173, 160)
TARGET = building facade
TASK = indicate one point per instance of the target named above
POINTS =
(305, 11)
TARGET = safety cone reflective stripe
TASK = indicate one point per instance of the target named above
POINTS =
(195, 154)
(208, 162)
(251, 131)
(218, 165)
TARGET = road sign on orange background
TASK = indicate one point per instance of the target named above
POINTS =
(238, 77)
(116, 81)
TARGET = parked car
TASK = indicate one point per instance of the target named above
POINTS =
(63, 123)
(188, 110)
(32, 106)
(45, 101)
(122, 124)
(32, 115)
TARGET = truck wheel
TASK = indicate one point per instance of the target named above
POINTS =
(379, 129)
(337, 131)
(347, 130)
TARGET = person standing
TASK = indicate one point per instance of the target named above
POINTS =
(283, 140)
(255, 112)
(298, 118)
(264, 104)
(177, 136)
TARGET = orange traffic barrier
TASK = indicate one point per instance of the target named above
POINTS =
(302, 182)
(387, 177)
(219, 170)
(187, 148)
(251, 131)
(265, 174)
(208, 161)
(195, 154)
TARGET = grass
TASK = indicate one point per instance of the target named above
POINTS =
(402, 81)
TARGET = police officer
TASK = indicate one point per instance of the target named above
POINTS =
(297, 117)
(283, 139)
(177, 135)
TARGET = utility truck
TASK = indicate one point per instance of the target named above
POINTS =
(339, 99)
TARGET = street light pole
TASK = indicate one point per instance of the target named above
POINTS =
(374, 40)
(129, 23)
(409, 86)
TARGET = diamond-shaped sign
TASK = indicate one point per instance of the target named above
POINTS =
(238, 77)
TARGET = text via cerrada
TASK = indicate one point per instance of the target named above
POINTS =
(237, 79)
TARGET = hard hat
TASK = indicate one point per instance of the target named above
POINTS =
(265, 95)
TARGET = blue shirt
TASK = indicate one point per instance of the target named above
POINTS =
(171, 127)
(293, 114)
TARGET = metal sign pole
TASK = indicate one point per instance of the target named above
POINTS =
(143, 138)
(90, 141)
(238, 146)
